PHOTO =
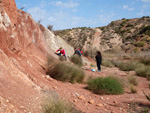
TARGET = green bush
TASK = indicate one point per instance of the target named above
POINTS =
(107, 85)
(76, 60)
(66, 72)
(132, 80)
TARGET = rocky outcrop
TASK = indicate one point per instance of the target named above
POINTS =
(91, 38)
(11, 10)
(55, 42)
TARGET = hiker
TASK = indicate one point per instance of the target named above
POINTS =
(60, 52)
(77, 51)
(98, 60)
(80, 51)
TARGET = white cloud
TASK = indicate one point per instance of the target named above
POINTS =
(141, 13)
(125, 6)
(145, 0)
(69, 4)
(128, 8)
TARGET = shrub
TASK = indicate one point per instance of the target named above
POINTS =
(125, 66)
(145, 59)
(136, 50)
(66, 73)
(132, 89)
(143, 71)
(76, 60)
(107, 63)
(50, 27)
(92, 65)
(107, 85)
(62, 58)
(51, 104)
(146, 30)
(50, 63)
(132, 80)
(140, 44)
(91, 52)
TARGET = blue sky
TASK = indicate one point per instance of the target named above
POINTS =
(65, 14)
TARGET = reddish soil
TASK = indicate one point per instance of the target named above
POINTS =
(81, 97)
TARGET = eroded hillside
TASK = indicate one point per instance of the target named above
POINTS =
(132, 34)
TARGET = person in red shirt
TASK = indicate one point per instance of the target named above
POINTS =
(60, 52)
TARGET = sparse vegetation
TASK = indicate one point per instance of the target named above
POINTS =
(132, 80)
(107, 63)
(146, 30)
(140, 44)
(107, 85)
(127, 66)
(144, 58)
(143, 71)
(54, 104)
(91, 52)
(133, 89)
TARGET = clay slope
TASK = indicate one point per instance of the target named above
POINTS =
(23, 54)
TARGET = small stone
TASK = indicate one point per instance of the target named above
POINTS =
(81, 97)
(7, 101)
(74, 100)
(47, 76)
(107, 98)
(54, 87)
(21, 107)
(120, 108)
(77, 94)
(114, 102)
(102, 98)
(91, 101)
(99, 105)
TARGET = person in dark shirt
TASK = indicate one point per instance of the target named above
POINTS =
(98, 60)
(76, 51)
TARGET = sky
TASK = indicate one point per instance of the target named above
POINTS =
(67, 14)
